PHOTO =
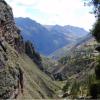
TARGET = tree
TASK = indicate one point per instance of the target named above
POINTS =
(96, 28)
(96, 9)
(66, 87)
(94, 88)
(30, 51)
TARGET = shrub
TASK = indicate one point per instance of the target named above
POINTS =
(65, 88)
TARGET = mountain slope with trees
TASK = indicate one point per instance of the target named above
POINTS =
(24, 74)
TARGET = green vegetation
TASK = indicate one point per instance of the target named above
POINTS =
(96, 30)
(91, 83)
(80, 59)
(36, 83)
(30, 51)
(94, 85)
(94, 88)
(19, 70)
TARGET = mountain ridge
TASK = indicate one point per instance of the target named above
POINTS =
(43, 38)
(66, 49)
(67, 29)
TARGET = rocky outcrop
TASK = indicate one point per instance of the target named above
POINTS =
(8, 30)
(16, 68)
(9, 35)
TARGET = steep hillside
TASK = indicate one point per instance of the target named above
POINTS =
(36, 83)
(80, 70)
(77, 69)
(47, 40)
(20, 76)
(76, 59)
(80, 58)
(66, 50)
(50, 66)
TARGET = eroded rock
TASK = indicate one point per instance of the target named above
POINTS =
(9, 71)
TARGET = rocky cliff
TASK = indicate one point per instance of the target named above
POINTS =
(9, 35)
(20, 77)
(8, 30)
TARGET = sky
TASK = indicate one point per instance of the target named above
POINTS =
(52, 12)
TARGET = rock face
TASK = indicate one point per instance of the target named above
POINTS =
(14, 63)
(8, 31)
(9, 35)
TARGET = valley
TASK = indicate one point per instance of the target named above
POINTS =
(47, 39)
(46, 61)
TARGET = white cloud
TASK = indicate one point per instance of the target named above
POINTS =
(61, 12)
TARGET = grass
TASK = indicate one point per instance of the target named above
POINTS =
(37, 84)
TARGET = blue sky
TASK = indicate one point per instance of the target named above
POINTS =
(51, 12)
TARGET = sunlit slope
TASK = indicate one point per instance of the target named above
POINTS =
(36, 83)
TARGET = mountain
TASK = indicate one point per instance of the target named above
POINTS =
(48, 39)
(58, 54)
(79, 69)
(79, 58)
(45, 42)
(71, 31)
(20, 75)
(24, 74)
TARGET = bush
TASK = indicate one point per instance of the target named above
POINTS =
(96, 30)
(65, 88)
(7, 84)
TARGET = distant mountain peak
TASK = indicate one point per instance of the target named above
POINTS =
(48, 38)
